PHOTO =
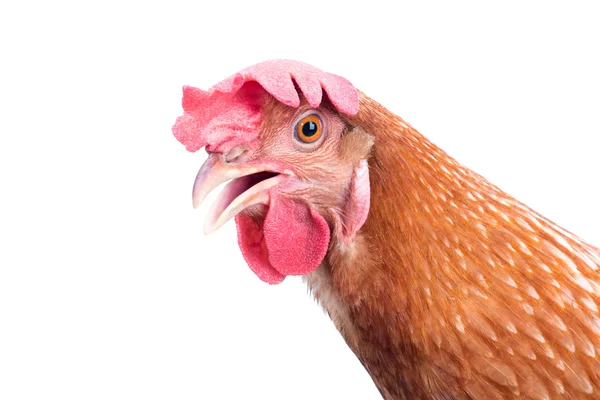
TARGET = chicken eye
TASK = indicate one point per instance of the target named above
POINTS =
(309, 129)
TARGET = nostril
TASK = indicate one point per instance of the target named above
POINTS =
(235, 153)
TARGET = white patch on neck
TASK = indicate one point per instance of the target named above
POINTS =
(321, 287)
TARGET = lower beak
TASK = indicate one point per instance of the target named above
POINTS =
(246, 189)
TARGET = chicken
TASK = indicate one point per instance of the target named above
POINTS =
(444, 286)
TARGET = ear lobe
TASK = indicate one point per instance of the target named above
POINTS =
(358, 202)
(356, 144)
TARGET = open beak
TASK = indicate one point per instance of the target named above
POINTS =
(249, 186)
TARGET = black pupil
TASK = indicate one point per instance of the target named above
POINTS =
(309, 129)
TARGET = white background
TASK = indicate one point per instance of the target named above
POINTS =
(109, 289)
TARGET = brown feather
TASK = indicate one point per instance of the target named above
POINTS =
(454, 289)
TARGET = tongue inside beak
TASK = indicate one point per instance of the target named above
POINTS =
(249, 186)
(238, 195)
(291, 239)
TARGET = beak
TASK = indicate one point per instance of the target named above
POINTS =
(249, 186)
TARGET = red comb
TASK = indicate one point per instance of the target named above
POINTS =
(276, 76)
(225, 116)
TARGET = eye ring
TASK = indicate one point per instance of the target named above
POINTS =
(309, 129)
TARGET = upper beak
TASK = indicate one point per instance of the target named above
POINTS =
(244, 191)
(212, 173)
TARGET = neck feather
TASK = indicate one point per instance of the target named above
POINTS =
(442, 249)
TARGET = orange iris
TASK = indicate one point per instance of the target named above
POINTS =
(309, 129)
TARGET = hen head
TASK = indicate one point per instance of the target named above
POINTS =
(298, 169)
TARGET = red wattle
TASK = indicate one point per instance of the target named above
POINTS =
(292, 240)
(297, 237)
(254, 249)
